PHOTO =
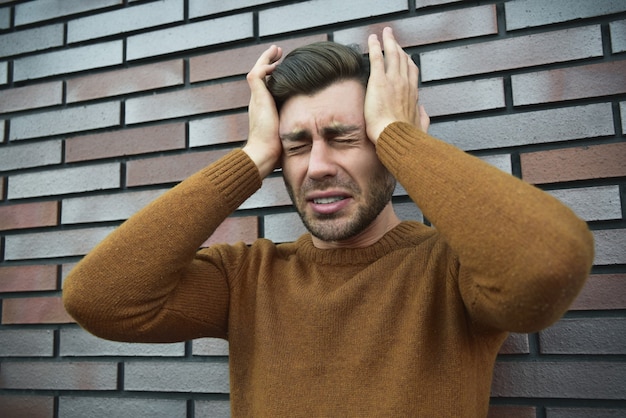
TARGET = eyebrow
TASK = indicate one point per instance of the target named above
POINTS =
(335, 129)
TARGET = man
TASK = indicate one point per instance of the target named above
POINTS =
(366, 315)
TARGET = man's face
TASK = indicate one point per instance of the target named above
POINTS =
(330, 167)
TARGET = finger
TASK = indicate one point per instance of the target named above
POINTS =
(393, 57)
(413, 74)
(377, 63)
(265, 64)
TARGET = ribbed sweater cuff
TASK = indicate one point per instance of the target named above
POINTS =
(397, 139)
(236, 177)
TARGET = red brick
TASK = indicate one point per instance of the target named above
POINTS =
(28, 278)
(578, 163)
(30, 97)
(502, 411)
(168, 169)
(28, 215)
(239, 60)
(428, 29)
(113, 83)
(59, 375)
(125, 142)
(187, 102)
(570, 83)
(34, 310)
(584, 336)
(24, 406)
(602, 291)
(235, 229)
(218, 130)
(515, 344)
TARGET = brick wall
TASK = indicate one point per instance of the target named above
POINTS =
(105, 104)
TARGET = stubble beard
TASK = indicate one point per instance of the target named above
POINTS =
(324, 227)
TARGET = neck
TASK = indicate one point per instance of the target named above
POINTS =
(384, 222)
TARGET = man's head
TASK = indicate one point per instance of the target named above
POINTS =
(338, 185)
(311, 68)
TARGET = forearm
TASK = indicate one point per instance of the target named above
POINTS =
(136, 273)
(518, 245)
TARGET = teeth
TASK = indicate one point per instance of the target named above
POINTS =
(326, 200)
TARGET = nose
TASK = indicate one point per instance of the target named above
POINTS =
(321, 161)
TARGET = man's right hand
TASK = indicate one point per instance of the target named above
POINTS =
(263, 146)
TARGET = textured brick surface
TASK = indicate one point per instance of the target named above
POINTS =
(43, 10)
(177, 377)
(610, 246)
(428, 29)
(30, 155)
(602, 291)
(469, 96)
(28, 215)
(515, 344)
(65, 121)
(199, 100)
(216, 409)
(585, 336)
(28, 278)
(30, 40)
(527, 13)
(77, 342)
(38, 95)
(109, 207)
(321, 12)
(65, 180)
(199, 8)
(516, 52)
(573, 379)
(59, 375)
(125, 142)
(194, 35)
(283, 227)
(23, 406)
(592, 203)
(68, 60)
(618, 36)
(125, 20)
(98, 407)
(272, 193)
(26, 343)
(134, 79)
(553, 412)
(570, 83)
(498, 411)
(45, 244)
(210, 347)
(528, 127)
(34, 310)
(239, 60)
(218, 130)
(578, 163)
(233, 230)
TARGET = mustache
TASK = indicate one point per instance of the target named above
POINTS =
(329, 183)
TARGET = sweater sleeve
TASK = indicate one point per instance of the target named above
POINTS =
(523, 255)
(143, 282)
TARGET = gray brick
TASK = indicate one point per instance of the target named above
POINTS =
(218, 130)
(428, 29)
(77, 342)
(125, 20)
(4, 72)
(213, 409)
(205, 377)
(502, 161)
(53, 244)
(74, 119)
(31, 40)
(5, 18)
(26, 343)
(283, 227)
(199, 8)
(469, 96)
(59, 375)
(529, 13)
(68, 60)
(425, 3)
(568, 380)
(210, 347)
(555, 412)
(193, 35)
(272, 193)
(322, 12)
(511, 53)
(104, 208)
(528, 128)
(408, 212)
(65, 180)
(592, 203)
(36, 11)
(75, 407)
(622, 111)
(618, 36)
(610, 246)
(30, 155)
(585, 336)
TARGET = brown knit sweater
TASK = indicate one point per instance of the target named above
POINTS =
(409, 326)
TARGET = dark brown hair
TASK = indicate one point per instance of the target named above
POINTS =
(311, 68)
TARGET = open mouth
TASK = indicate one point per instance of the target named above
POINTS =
(328, 200)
